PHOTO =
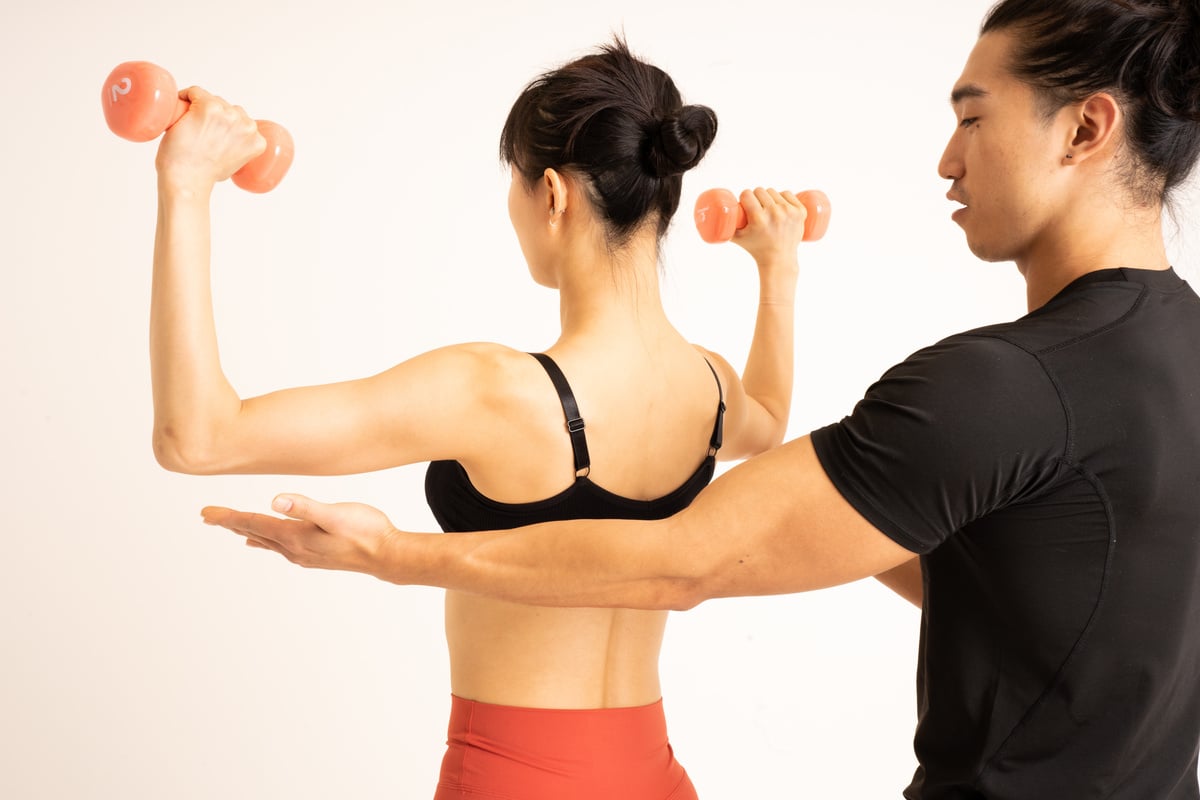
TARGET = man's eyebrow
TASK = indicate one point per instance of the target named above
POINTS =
(970, 90)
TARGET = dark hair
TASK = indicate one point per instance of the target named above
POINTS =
(619, 123)
(1146, 53)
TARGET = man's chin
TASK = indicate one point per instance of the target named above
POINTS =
(988, 251)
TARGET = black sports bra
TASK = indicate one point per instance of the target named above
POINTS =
(459, 506)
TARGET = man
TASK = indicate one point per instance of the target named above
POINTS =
(1044, 470)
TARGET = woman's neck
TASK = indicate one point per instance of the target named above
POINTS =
(613, 295)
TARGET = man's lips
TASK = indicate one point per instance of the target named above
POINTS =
(954, 197)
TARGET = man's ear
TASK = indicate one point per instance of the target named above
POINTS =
(1093, 127)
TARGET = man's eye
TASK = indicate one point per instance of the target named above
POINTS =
(968, 122)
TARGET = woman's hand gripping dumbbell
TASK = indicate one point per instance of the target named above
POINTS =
(719, 215)
(141, 101)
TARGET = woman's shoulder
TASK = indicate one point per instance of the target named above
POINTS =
(471, 382)
(468, 398)
(480, 360)
(492, 374)
(725, 371)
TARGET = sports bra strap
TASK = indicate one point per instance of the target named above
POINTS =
(718, 434)
(583, 464)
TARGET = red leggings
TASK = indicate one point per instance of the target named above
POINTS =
(508, 753)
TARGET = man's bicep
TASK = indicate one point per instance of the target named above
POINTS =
(776, 524)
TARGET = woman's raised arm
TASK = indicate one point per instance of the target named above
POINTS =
(432, 406)
(759, 401)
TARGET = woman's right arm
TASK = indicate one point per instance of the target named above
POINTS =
(205, 146)
(426, 408)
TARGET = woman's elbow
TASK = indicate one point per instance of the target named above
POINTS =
(764, 439)
(774, 435)
(685, 596)
(183, 455)
(688, 578)
(776, 426)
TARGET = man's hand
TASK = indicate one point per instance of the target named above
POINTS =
(344, 536)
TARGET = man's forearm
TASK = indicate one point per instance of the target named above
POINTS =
(578, 563)
(772, 525)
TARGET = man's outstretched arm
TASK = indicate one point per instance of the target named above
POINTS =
(772, 525)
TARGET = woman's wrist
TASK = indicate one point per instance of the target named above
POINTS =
(183, 187)
(777, 282)
(783, 264)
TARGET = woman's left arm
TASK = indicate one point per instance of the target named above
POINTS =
(758, 402)
(907, 581)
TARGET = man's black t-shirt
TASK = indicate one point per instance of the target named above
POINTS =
(1048, 471)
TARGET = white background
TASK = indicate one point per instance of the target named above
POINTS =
(144, 655)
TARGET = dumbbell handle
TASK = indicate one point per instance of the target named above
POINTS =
(719, 215)
(141, 101)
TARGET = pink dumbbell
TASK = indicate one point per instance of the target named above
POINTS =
(719, 215)
(141, 101)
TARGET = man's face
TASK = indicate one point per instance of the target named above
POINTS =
(1003, 158)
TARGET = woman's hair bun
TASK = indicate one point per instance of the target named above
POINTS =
(618, 123)
(677, 142)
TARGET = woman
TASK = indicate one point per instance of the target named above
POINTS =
(545, 704)
(1045, 469)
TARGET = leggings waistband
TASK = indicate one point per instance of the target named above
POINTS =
(505, 752)
(559, 732)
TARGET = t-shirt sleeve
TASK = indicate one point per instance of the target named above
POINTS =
(954, 432)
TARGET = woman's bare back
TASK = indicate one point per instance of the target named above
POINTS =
(649, 410)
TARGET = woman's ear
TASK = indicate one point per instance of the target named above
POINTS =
(1094, 124)
(557, 194)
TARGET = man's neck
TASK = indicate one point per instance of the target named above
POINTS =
(1105, 239)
